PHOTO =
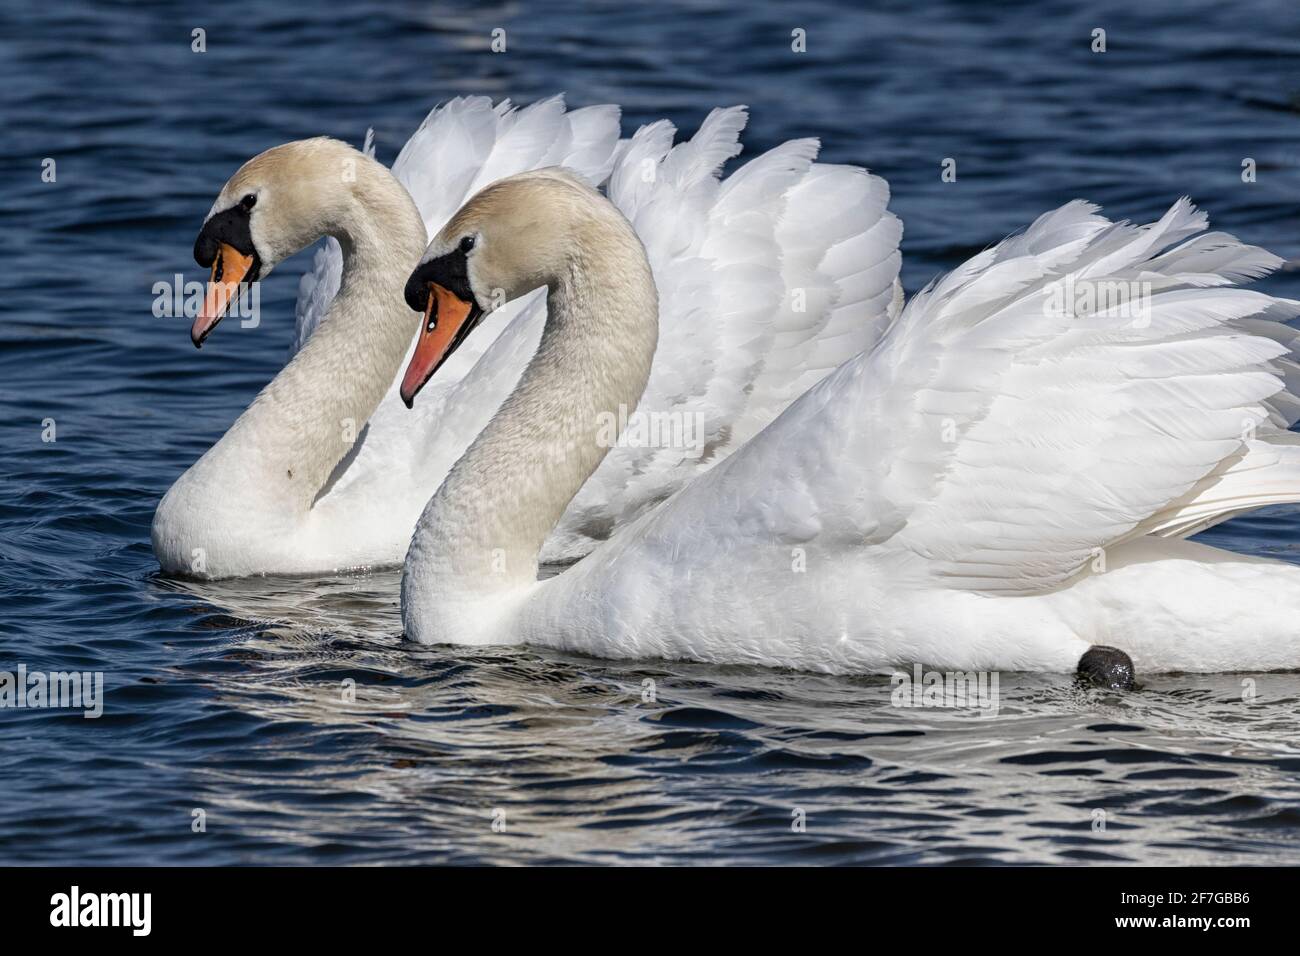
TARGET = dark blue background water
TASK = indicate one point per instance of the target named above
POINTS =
(227, 698)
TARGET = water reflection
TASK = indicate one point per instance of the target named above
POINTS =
(581, 762)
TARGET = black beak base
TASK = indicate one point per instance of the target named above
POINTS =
(451, 271)
(233, 227)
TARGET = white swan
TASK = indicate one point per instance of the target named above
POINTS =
(974, 492)
(769, 281)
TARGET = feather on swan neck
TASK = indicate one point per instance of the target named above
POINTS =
(305, 421)
(481, 533)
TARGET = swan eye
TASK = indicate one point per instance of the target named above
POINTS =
(249, 201)
(467, 244)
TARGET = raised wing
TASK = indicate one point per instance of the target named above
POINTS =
(767, 280)
(1054, 396)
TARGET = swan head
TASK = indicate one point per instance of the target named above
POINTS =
(518, 234)
(278, 203)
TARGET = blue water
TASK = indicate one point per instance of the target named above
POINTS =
(226, 698)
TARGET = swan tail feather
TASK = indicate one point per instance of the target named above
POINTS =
(1267, 473)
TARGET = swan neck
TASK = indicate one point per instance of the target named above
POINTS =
(483, 530)
(310, 416)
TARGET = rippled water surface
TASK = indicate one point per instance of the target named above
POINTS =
(229, 698)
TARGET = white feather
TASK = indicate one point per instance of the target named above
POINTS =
(976, 490)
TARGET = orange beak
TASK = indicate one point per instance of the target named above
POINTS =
(228, 269)
(448, 319)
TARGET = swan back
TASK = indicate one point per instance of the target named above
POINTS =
(1013, 423)
(977, 489)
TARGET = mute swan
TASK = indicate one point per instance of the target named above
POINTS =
(770, 279)
(974, 492)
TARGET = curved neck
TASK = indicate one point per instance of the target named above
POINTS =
(482, 531)
(307, 419)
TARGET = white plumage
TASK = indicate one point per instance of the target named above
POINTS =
(731, 257)
(976, 489)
